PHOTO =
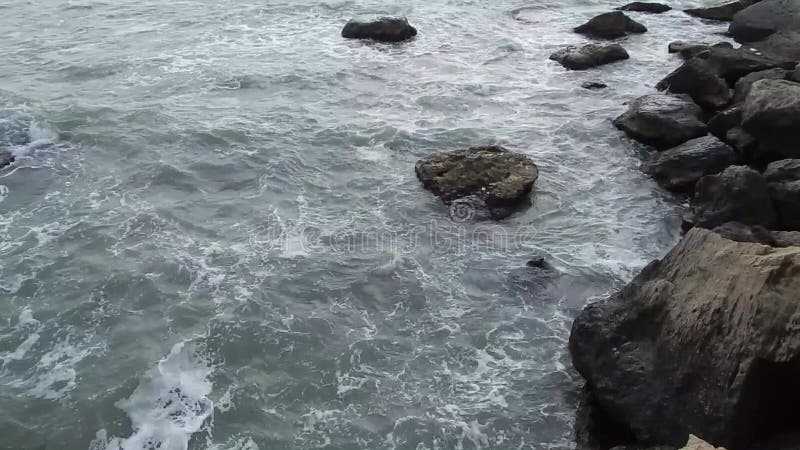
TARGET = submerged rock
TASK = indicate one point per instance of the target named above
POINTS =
(783, 182)
(737, 194)
(703, 341)
(649, 7)
(721, 12)
(385, 29)
(593, 85)
(699, 79)
(497, 178)
(589, 55)
(765, 18)
(662, 121)
(771, 113)
(6, 158)
(679, 168)
(610, 25)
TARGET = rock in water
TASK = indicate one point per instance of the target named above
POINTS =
(765, 18)
(611, 25)
(662, 121)
(783, 181)
(590, 55)
(385, 29)
(656, 8)
(722, 12)
(738, 194)
(771, 113)
(593, 85)
(679, 168)
(499, 179)
(698, 79)
(6, 158)
(704, 341)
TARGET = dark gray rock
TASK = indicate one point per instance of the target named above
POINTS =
(743, 142)
(724, 121)
(734, 63)
(703, 341)
(785, 239)
(589, 55)
(6, 158)
(384, 29)
(771, 113)
(721, 12)
(477, 179)
(784, 44)
(593, 85)
(662, 120)
(689, 50)
(698, 79)
(738, 194)
(610, 25)
(783, 181)
(744, 84)
(679, 168)
(740, 232)
(765, 18)
(649, 7)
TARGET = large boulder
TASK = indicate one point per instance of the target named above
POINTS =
(771, 113)
(742, 87)
(721, 12)
(662, 120)
(478, 179)
(689, 50)
(783, 181)
(784, 44)
(737, 194)
(384, 29)
(610, 25)
(765, 18)
(698, 79)
(649, 7)
(679, 168)
(589, 55)
(703, 341)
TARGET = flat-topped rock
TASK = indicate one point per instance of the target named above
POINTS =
(648, 7)
(662, 120)
(479, 179)
(384, 29)
(589, 55)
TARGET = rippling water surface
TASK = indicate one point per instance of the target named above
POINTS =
(213, 237)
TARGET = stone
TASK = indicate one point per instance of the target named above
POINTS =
(662, 120)
(737, 194)
(742, 87)
(679, 168)
(384, 29)
(478, 178)
(589, 55)
(6, 158)
(703, 341)
(743, 142)
(783, 182)
(610, 25)
(771, 113)
(784, 45)
(593, 85)
(648, 7)
(723, 121)
(740, 232)
(764, 18)
(722, 13)
(698, 79)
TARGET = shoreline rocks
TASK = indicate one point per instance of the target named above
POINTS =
(721, 13)
(384, 29)
(771, 113)
(589, 55)
(610, 25)
(479, 183)
(764, 18)
(662, 121)
(738, 193)
(679, 168)
(702, 341)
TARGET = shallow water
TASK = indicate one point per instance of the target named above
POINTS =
(213, 237)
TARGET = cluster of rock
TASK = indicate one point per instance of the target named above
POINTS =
(707, 340)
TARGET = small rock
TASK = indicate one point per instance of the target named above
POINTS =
(722, 12)
(593, 85)
(679, 168)
(385, 29)
(497, 178)
(662, 121)
(783, 181)
(699, 79)
(610, 25)
(649, 7)
(738, 194)
(6, 158)
(590, 55)
(539, 262)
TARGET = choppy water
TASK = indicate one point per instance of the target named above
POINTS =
(213, 237)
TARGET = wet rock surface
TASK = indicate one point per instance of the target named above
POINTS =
(610, 25)
(679, 168)
(589, 55)
(384, 29)
(662, 120)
